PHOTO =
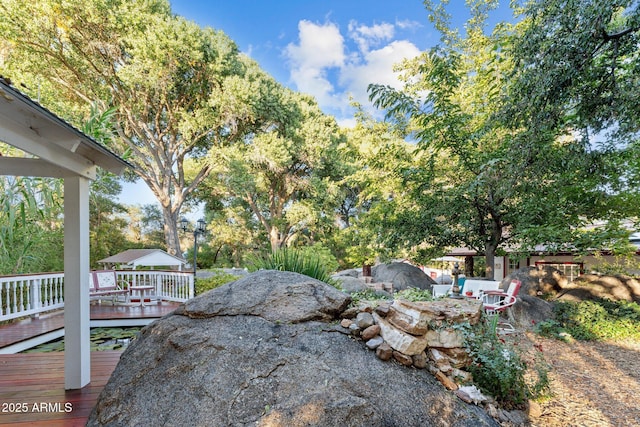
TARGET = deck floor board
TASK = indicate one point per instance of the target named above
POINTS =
(32, 390)
(30, 379)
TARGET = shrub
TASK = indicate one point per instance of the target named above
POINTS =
(215, 281)
(498, 368)
(292, 260)
(324, 254)
(598, 319)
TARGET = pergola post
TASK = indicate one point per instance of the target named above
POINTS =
(77, 352)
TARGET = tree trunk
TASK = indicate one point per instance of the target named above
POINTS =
(171, 231)
(468, 266)
(274, 238)
(489, 255)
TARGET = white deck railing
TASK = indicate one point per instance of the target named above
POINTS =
(30, 294)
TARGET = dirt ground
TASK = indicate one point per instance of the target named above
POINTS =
(593, 384)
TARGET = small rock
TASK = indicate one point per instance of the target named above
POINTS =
(474, 394)
(382, 310)
(402, 358)
(463, 396)
(533, 409)
(384, 351)
(354, 329)
(345, 323)
(370, 332)
(446, 381)
(492, 410)
(420, 360)
(366, 309)
(374, 343)
(364, 320)
(461, 376)
(350, 313)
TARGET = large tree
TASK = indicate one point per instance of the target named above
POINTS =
(480, 181)
(170, 81)
(578, 72)
(285, 175)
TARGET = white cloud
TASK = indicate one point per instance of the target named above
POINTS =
(367, 36)
(407, 24)
(321, 65)
(376, 67)
(320, 47)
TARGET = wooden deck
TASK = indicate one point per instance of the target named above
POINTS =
(32, 385)
(32, 389)
(17, 332)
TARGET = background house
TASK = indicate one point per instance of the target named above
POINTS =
(133, 258)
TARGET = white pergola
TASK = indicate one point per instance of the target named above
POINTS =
(60, 151)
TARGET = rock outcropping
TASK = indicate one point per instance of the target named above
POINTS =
(266, 350)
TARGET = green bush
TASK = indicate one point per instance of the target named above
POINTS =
(324, 254)
(598, 319)
(293, 260)
(219, 279)
(498, 369)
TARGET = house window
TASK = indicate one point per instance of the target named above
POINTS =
(570, 269)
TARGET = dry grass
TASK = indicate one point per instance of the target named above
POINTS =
(594, 384)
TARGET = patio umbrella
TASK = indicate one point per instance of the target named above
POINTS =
(447, 259)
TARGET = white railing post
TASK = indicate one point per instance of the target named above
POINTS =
(34, 295)
(15, 299)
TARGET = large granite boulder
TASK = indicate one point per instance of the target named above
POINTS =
(537, 281)
(265, 351)
(592, 286)
(402, 276)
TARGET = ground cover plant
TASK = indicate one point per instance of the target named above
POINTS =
(220, 278)
(598, 319)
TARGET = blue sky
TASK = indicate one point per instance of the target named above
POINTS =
(328, 48)
(331, 49)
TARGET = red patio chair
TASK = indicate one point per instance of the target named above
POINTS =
(496, 302)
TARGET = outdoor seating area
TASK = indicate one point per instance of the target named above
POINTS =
(495, 302)
(476, 288)
(105, 284)
(36, 295)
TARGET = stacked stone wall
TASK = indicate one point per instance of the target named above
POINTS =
(419, 334)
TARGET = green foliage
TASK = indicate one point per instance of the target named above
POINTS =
(415, 294)
(621, 265)
(541, 177)
(498, 367)
(599, 319)
(174, 87)
(220, 278)
(287, 259)
(31, 229)
(367, 295)
(284, 178)
(323, 254)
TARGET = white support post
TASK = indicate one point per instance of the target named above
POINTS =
(77, 354)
